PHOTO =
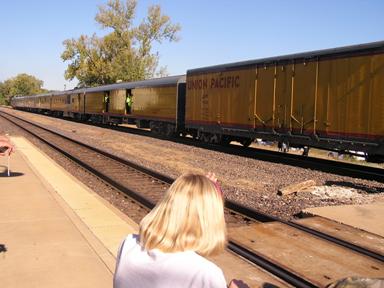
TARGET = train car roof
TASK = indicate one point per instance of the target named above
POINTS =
(354, 50)
(164, 81)
(47, 94)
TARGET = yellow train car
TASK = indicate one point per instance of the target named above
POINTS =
(330, 99)
(34, 103)
(27, 103)
(148, 103)
(160, 104)
(105, 104)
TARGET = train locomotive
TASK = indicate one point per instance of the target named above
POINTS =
(329, 99)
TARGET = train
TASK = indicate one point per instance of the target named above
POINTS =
(330, 99)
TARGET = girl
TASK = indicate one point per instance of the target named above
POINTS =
(185, 226)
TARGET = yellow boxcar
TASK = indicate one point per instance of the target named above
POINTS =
(330, 99)
(156, 104)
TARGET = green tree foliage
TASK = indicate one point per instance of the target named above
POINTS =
(125, 53)
(2, 95)
(22, 84)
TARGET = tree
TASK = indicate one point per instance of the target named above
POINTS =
(2, 96)
(125, 53)
(22, 84)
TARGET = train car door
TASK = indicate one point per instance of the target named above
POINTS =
(68, 106)
(78, 99)
(265, 84)
(128, 102)
(303, 97)
(50, 103)
(106, 102)
(283, 90)
(180, 106)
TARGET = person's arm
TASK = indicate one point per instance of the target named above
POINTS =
(212, 176)
(5, 147)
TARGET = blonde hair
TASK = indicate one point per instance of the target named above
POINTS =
(189, 217)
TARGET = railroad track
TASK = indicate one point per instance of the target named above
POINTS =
(147, 187)
(308, 162)
(318, 164)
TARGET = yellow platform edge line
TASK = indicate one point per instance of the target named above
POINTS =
(103, 220)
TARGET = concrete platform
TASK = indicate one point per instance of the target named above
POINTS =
(57, 233)
(367, 217)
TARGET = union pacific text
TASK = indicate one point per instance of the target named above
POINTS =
(214, 82)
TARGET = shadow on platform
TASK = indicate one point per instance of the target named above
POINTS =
(4, 172)
(3, 248)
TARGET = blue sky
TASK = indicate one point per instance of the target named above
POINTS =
(213, 31)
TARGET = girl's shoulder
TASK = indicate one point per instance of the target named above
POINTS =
(130, 241)
(132, 238)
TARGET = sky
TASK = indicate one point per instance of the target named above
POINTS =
(212, 31)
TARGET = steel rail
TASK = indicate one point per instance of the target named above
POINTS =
(268, 265)
(338, 241)
(254, 214)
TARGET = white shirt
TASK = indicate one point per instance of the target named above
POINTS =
(139, 268)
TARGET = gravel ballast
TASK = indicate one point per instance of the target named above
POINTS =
(254, 183)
